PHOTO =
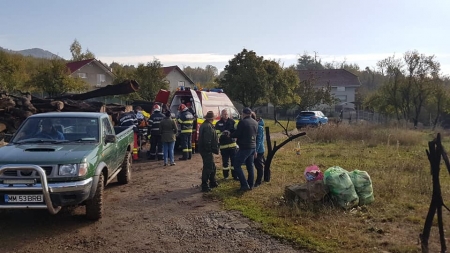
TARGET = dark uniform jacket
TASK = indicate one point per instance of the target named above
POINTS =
(186, 120)
(245, 133)
(153, 123)
(128, 119)
(207, 139)
(224, 140)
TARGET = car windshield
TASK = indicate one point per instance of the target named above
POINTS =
(57, 130)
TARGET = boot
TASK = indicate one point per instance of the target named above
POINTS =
(205, 187)
(226, 172)
(185, 156)
(213, 184)
(189, 155)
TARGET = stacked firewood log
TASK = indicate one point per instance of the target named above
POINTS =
(14, 109)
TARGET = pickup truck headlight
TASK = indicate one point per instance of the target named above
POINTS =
(72, 169)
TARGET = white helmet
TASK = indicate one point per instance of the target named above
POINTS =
(156, 108)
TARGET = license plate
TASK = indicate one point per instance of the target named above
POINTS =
(23, 198)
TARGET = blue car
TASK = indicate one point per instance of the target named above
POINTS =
(310, 118)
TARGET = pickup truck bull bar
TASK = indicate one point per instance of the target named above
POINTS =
(43, 187)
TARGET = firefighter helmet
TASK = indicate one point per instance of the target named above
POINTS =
(182, 107)
(156, 108)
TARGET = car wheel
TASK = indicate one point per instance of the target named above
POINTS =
(94, 206)
(124, 176)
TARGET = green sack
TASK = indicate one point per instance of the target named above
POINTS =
(341, 187)
(363, 186)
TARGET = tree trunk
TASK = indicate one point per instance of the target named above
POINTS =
(271, 152)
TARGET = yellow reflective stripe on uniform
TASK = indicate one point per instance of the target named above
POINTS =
(185, 122)
(200, 121)
(185, 150)
(231, 145)
(186, 131)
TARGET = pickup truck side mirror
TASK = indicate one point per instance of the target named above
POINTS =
(110, 138)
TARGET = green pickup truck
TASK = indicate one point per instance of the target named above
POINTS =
(61, 159)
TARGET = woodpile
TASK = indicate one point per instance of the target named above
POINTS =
(14, 109)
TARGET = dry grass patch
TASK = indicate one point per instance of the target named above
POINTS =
(396, 161)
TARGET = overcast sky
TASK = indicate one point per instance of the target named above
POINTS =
(201, 32)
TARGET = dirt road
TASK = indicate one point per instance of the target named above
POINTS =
(160, 211)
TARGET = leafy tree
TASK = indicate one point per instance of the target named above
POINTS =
(150, 78)
(281, 84)
(308, 62)
(54, 79)
(202, 77)
(13, 71)
(409, 84)
(77, 54)
(312, 96)
(245, 79)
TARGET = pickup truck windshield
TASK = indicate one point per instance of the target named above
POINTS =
(57, 129)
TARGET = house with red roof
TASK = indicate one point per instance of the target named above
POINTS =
(95, 73)
(176, 78)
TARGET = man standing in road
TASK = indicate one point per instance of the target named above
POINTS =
(207, 145)
(245, 133)
(224, 128)
(185, 119)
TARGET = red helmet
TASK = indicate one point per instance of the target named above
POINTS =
(156, 108)
(182, 107)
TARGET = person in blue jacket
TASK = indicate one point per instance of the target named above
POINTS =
(260, 149)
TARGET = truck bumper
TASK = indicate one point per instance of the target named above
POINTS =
(54, 195)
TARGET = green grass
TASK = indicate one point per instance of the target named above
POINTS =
(276, 128)
(396, 161)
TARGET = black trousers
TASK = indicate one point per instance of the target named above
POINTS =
(228, 154)
(186, 145)
(259, 165)
(209, 170)
(155, 148)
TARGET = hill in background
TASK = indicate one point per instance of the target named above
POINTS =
(34, 52)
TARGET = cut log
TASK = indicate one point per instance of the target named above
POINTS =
(2, 127)
(126, 87)
(6, 103)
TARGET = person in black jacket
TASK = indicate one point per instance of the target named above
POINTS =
(185, 119)
(224, 129)
(155, 135)
(245, 133)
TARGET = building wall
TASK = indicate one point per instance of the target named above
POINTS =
(174, 77)
(89, 73)
(345, 94)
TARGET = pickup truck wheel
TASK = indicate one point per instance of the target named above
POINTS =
(124, 176)
(94, 206)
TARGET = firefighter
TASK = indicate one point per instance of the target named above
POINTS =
(194, 125)
(224, 129)
(155, 137)
(185, 119)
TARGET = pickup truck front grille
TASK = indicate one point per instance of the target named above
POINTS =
(18, 173)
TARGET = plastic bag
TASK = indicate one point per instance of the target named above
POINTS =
(363, 186)
(313, 173)
(341, 187)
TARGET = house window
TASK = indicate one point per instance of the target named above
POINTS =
(340, 88)
(180, 83)
(100, 78)
(82, 75)
(342, 98)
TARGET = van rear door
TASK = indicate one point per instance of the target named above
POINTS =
(162, 96)
(197, 105)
